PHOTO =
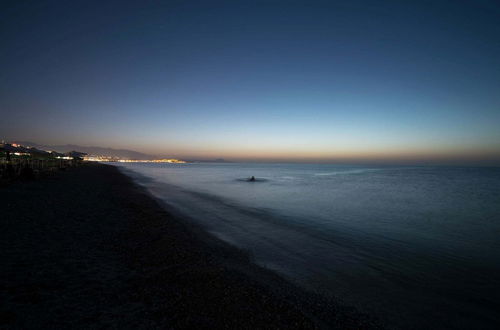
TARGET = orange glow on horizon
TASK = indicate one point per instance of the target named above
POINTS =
(416, 155)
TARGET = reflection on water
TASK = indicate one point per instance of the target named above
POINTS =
(417, 246)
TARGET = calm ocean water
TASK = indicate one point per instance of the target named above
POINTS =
(419, 247)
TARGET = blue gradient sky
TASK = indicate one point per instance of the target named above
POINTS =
(292, 80)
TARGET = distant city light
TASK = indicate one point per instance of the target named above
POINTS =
(115, 159)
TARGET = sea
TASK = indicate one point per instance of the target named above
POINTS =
(416, 246)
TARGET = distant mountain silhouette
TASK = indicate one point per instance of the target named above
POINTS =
(100, 151)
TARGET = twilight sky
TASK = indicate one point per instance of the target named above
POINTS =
(261, 80)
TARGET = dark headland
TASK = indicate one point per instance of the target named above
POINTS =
(89, 248)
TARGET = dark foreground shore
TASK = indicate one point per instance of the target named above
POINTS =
(88, 248)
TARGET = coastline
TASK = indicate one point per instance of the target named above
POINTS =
(90, 248)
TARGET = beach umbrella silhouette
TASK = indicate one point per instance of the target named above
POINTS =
(8, 149)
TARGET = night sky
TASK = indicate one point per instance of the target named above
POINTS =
(272, 80)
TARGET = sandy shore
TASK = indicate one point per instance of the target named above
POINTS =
(88, 248)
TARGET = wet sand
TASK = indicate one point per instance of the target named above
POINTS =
(89, 248)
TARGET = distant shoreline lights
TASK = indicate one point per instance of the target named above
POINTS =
(114, 159)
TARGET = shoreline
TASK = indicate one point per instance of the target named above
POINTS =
(90, 247)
